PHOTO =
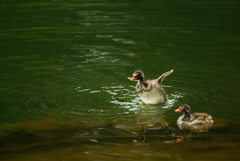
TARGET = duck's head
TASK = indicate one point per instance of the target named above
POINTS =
(183, 108)
(137, 75)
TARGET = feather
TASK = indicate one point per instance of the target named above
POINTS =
(161, 78)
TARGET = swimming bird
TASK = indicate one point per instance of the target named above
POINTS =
(150, 91)
(195, 121)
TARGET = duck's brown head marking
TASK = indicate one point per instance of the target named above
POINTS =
(137, 75)
(184, 108)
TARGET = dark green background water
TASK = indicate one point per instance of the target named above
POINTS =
(64, 90)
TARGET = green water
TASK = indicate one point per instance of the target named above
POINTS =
(64, 90)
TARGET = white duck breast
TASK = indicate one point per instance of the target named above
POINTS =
(152, 97)
(153, 93)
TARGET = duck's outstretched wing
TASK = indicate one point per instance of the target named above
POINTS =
(160, 79)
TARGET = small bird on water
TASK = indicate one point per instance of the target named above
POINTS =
(150, 91)
(195, 121)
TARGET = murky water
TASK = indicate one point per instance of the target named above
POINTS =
(64, 88)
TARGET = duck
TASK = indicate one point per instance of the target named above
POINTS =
(150, 91)
(194, 121)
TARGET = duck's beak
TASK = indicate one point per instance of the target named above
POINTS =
(179, 140)
(134, 78)
(178, 110)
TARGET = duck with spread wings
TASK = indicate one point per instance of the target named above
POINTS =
(150, 91)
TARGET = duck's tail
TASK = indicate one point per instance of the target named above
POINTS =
(161, 78)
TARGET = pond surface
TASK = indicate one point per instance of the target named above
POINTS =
(64, 88)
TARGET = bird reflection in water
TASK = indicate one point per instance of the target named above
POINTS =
(148, 120)
(148, 124)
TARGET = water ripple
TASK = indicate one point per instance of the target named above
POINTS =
(127, 98)
(124, 41)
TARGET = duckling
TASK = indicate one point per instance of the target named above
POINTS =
(150, 91)
(195, 121)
